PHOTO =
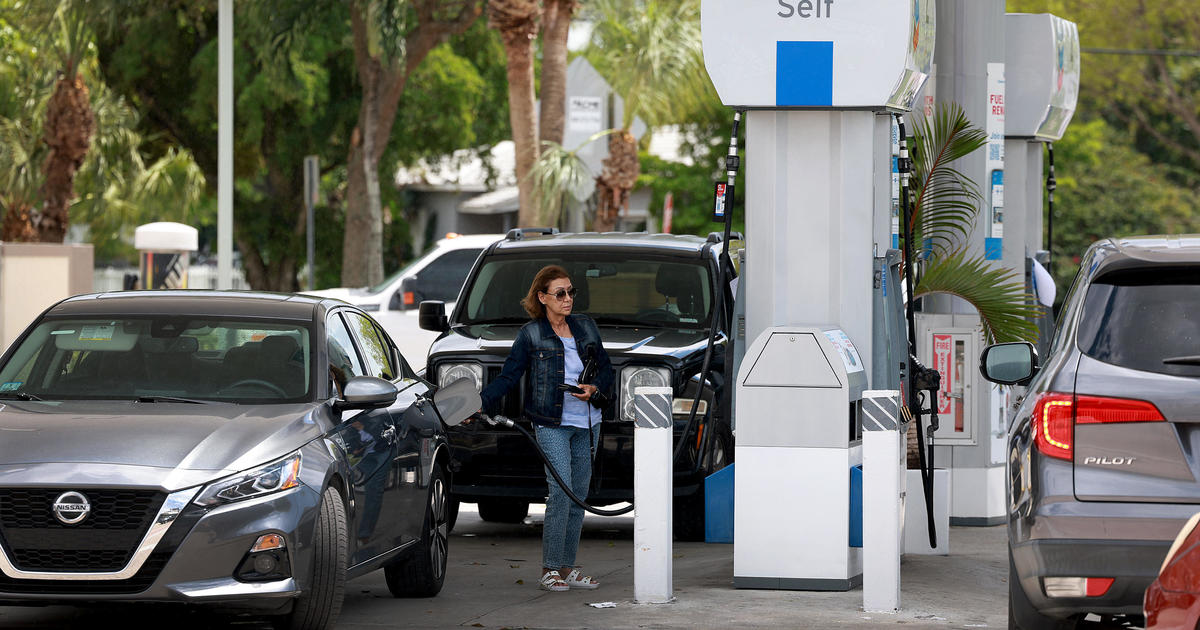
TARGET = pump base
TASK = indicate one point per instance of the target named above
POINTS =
(797, 584)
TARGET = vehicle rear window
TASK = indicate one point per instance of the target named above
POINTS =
(612, 289)
(1144, 319)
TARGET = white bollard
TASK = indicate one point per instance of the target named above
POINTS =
(653, 483)
(884, 461)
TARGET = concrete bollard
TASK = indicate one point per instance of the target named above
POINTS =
(884, 461)
(653, 484)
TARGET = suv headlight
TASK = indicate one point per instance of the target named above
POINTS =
(276, 476)
(637, 376)
(451, 372)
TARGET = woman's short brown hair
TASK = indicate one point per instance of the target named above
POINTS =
(541, 282)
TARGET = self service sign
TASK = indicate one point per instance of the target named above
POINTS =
(829, 54)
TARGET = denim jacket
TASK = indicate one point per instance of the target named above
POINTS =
(538, 352)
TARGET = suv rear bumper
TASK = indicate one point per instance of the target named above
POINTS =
(1133, 564)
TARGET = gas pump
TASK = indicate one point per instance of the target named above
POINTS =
(819, 88)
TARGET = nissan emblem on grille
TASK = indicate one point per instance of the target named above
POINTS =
(71, 508)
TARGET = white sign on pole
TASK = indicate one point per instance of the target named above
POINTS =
(995, 160)
(585, 114)
(818, 53)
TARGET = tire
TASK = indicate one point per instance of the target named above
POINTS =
(1021, 613)
(503, 510)
(422, 572)
(688, 518)
(319, 605)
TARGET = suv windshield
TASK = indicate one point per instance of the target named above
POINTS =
(1144, 319)
(612, 289)
(153, 359)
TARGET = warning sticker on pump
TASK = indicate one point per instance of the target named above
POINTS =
(845, 349)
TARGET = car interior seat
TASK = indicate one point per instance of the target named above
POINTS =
(277, 363)
(681, 282)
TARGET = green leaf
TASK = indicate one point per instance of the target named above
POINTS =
(1005, 309)
(947, 202)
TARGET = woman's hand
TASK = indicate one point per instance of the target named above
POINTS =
(588, 390)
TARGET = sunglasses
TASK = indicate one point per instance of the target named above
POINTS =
(563, 294)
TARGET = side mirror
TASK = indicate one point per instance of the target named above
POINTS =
(1009, 363)
(457, 401)
(406, 297)
(432, 316)
(366, 392)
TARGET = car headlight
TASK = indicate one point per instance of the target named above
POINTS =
(637, 376)
(451, 372)
(276, 476)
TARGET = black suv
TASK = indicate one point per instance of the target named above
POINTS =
(1104, 449)
(652, 295)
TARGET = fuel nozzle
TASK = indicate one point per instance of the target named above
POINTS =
(498, 420)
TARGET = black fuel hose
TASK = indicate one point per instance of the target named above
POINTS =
(505, 422)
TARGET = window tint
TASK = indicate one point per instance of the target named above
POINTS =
(611, 289)
(131, 357)
(442, 278)
(1144, 319)
(376, 353)
(343, 358)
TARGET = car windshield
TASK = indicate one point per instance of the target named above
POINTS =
(1144, 319)
(155, 359)
(612, 289)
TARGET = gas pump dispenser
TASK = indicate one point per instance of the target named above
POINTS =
(819, 82)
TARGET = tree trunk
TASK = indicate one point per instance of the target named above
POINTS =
(621, 169)
(554, 69)
(517, 21)
(18, 225)
(70, 124)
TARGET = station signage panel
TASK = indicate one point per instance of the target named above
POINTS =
(827, 54)
(1042, 55)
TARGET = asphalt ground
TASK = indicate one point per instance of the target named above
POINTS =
(494, 568)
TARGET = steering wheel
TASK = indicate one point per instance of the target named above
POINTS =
(256, 382)
(653, 315)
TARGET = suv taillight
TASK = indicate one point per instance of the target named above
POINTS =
(1055, 416)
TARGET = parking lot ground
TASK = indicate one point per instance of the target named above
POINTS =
(493, 573)
(492, 583)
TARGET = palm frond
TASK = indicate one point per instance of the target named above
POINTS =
(947, 202)
(559, 174)
(1005, 309)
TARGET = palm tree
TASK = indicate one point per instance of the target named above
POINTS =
(560, 176)
(945, 209)
(518, 23)
(552, 123)
(651, 53)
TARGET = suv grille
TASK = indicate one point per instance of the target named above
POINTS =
(105, 541)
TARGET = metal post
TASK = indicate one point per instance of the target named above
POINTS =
(225, 145)
(652, 490)
(312, 180)
(884, 460)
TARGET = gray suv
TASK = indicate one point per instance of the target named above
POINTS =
(247, 451)
(1104, 448)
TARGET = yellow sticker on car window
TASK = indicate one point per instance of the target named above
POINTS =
(96, 333)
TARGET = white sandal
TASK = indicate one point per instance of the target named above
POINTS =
(576, 580)
(552, 581)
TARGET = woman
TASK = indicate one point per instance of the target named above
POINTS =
(554, 348)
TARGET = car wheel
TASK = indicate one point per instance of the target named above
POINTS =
(318, 606)
(452, 506)
(688, 518)
(503, 510)
(1021, 613)
(422, 572)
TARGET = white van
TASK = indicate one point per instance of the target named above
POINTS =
(438, 275)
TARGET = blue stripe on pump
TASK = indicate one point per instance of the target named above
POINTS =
(804, 74)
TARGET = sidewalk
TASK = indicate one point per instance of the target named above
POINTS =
(492, 583)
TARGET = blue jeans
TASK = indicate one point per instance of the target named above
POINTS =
(569, 449)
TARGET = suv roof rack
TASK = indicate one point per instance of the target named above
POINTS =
(717, 237)
(518, 234)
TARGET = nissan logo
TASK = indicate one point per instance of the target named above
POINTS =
(71, 508)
